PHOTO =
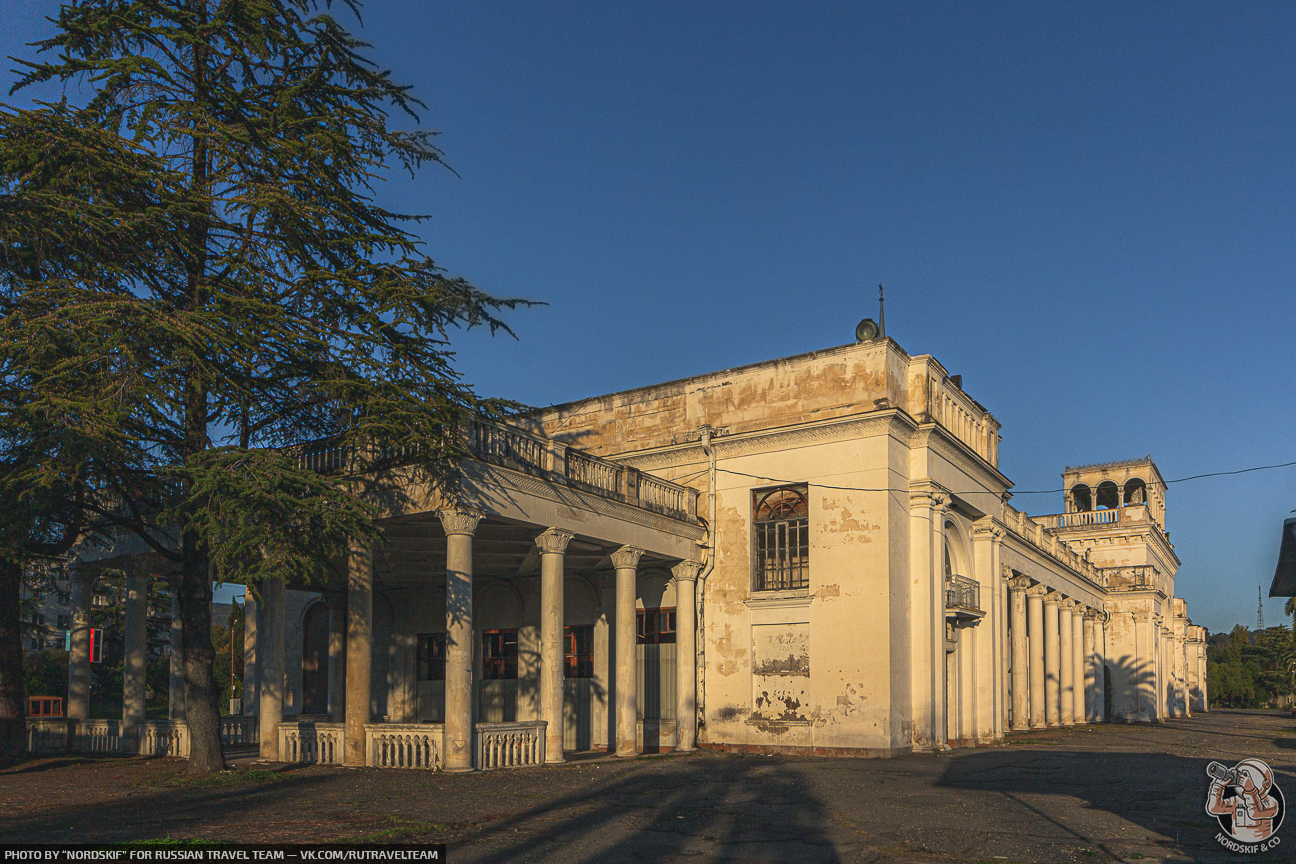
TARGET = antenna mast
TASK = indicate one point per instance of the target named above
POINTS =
(881, 315)
(1259, 609)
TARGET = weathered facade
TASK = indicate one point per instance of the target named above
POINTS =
(814, 555)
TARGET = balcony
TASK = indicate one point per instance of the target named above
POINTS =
(963, 599)
(517, 450)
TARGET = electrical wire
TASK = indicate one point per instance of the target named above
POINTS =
(987, 491)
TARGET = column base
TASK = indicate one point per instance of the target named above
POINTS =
(1019, 728)
(467, 770)
(626, 755)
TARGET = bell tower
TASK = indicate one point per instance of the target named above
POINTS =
(1115, 485)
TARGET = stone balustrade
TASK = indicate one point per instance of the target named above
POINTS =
(311, 743)
(47, 736)
(519, 450)
(164, 738)
(1036, 531)
(239, 730)
(510, 745)
(96, 736)
(403, 745)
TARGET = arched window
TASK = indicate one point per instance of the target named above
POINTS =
(1108, 495)
(1081, 498)
(782, 525)
(1135, 491)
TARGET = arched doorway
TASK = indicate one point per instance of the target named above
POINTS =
(315, 638)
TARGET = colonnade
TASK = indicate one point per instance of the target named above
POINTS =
(354, 648)
(1055, 663)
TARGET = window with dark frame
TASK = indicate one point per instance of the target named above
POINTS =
(656, 626)
(430, 656)
(578, 651)
(781, 523)
(499, 655)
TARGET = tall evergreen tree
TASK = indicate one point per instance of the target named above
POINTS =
(196, 275)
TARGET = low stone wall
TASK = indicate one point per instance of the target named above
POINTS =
(403, 745)
(312, 743)
(156, 737)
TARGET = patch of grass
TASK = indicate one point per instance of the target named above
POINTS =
(227, 779)
(170, 843)
(403, 829)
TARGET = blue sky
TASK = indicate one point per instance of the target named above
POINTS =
(1087, 210)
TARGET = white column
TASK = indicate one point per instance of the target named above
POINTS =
(135, 662)
(553, 546)
(457, 755)
(78, 702)
(251, 669)
(1078, 664)
(1052, 660)
(270, 654)
(1017, 587)
(1066, 669)
(1091, 665)
(1035, 620)
(939, 661)
(686, 573)
(626, 562)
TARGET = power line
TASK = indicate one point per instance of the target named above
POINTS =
(984, 491)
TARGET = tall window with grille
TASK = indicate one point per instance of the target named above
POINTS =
(781, 521)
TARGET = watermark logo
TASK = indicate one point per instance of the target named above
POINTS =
(1247, 804)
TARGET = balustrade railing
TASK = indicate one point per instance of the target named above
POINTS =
(1135, 577)
(238, 730)
(164, 738)
(97, 736)
(962, 593)
(508, 446)
(1080, 519)
(404, 745)
(510, 745)
(594, 474)
(523, 451)
(47, 736)
(311, 743)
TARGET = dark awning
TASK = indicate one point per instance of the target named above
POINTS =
(1284, 584)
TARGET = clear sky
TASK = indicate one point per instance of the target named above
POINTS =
(1085, 209)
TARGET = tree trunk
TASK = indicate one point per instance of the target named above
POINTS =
(13, 690)
(202, 702)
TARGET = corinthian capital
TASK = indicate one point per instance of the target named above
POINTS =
(553, 540)
(1019, 583)
(626, 558)
(456, 521)
(687, 571)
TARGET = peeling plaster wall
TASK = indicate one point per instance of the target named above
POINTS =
(806, 668)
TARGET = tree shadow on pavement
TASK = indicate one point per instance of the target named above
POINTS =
(1162, 793)
(738, 808)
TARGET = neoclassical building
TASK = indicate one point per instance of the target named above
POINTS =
(814, 554)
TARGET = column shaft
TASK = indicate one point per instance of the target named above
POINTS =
(1035, 620)
(78, 701)
(1052, 661)
(176, 687)
(1090, 667)
(1020, 669)
(270, 654)
(134, 664)
(1078, 667)
(1066, 670)
(359, 655)
(553, 546)
(457, 755)
(686, 655)
(626, 562)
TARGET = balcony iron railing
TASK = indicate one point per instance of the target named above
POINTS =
(962, 593)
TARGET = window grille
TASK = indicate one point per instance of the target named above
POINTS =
(782, 527)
